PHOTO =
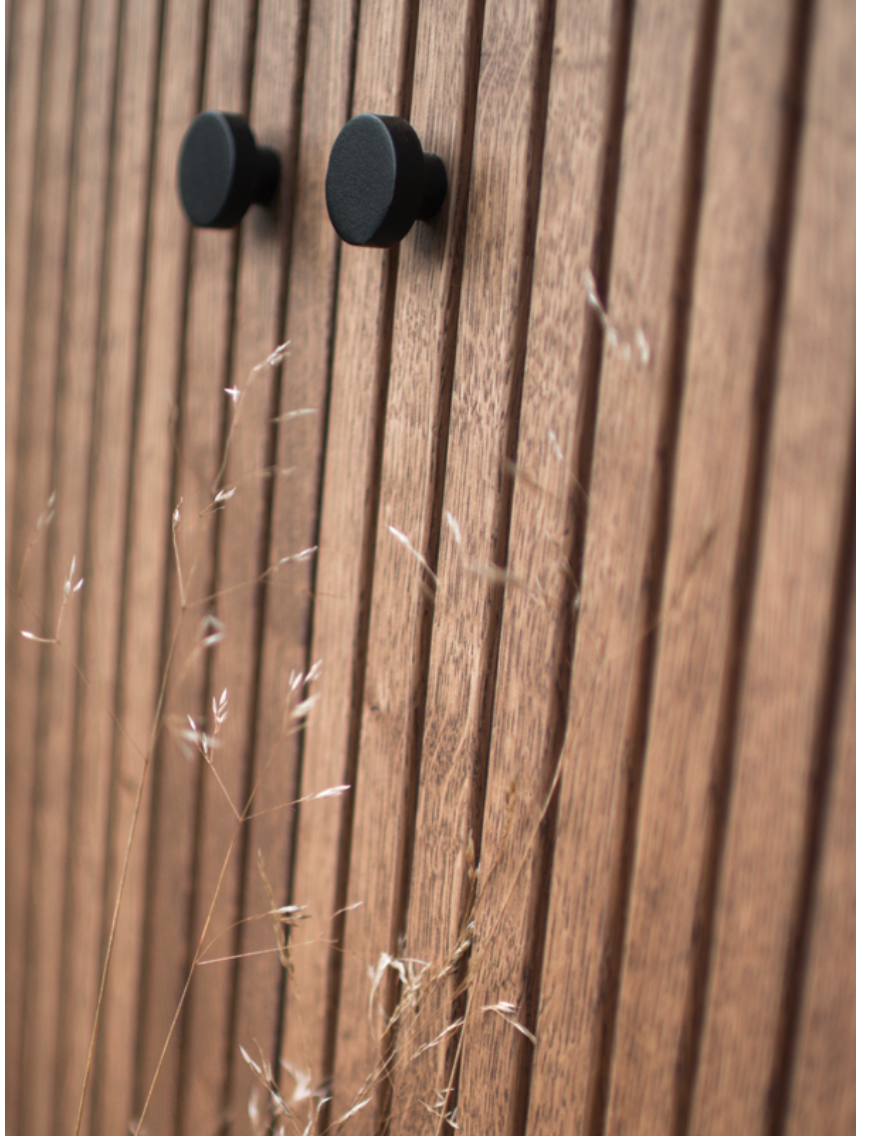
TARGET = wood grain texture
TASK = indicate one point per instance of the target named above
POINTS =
(261, 297)
(25, 45)
(37, 594)
(104, 607)
(502, 207)
(25, 40)
(206, 416)
(322, 93)
(85, 772)
(416, 423)
(153, 600)
(823, 1095)
(706, 579)
(608, 396)
(776, 765)
(546, 533)
(648, 293)
(290, 592)
(356, 412)
(298, 460)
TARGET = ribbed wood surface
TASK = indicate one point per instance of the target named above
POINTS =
(554, 504)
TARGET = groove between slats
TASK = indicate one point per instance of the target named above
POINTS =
(114, 1062)
(248, 1006)
(828, 722)
(747, 554)
(42, 364)
(576, 524)
(90, 772)
(365, 583)
(418, 681)
(747, 559)
(700, 114)
(206, 1036)
(312, 317)
(24, 108)
(169, 250)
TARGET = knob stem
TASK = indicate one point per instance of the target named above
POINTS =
(435, 187)
(268, 175)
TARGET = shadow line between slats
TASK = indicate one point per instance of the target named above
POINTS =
(747, 556)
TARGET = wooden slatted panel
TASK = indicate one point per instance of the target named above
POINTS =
(364, 309)
(633, 446)
(206, 417)
(551, 476)
(290, 598)
(106, 601)
(416, 423)
(793, 660)
(25, 43)
(259, 321)
(35, 734)
(707, 580)
(666, 655)
(76, 449)
(823, 1087)
(150, 639)
(484, 419)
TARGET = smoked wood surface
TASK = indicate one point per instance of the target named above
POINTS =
(823, 1091)
(287, 644)
(206, 418)
(356, 411)
(792, 663)
(102, 726)
(25, 37)
(648, 292)
(484, 418)
(707, 580)
(554, 502)
(25, 42)
(75, 447)
(37, 589)
(153, 587)
(261, 778)
(413, 459)
(549, 479)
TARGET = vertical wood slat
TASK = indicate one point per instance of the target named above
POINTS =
(36, 605)
(25, 43)
(823, 1091)
(305, 387)
(484, 417)
(147, 641)
(648, 292)
(551, 478)
(416, 422)
(86, 774)
(627, 471)
(706, 583)
(102, 723)
(364, 308)
(778, 766)
(204, 421)
(25, 39)
(244, 545)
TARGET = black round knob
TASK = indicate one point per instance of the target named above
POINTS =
(380, 181)
(221, 171)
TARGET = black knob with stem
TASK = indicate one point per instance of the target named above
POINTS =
(380, 181)
(221, 171)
